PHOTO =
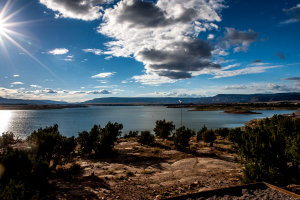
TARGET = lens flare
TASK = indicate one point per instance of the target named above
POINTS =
(5, 33)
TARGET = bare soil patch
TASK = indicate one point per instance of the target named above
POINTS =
(149, 172)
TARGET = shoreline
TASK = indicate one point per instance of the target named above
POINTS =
(234, 108)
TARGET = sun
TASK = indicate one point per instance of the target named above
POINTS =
(6, 32)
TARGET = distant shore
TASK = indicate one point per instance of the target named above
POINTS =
(235, 108)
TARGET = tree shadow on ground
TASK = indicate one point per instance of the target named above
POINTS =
(76, 187)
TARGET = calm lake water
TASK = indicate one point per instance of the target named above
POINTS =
(73, 120)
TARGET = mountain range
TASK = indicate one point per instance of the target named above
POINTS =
(220, 98)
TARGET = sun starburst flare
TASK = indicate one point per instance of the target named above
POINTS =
(5, 33)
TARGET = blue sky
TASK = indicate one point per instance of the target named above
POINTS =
(84, 49)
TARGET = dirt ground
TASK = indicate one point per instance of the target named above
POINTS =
(153, 172)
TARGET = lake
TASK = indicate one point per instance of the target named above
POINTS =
(73, 120)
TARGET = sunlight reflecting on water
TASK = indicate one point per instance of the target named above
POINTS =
(5, 116)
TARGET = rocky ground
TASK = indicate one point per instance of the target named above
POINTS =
(154, 172)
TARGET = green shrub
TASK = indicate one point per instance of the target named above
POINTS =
(110, 171)
(131, 134)
(182, 137)
(145, 172)
(223, 132)
(51, 145)
(199, 133)
(101, 140)
(13, 191)
(209, 136)
(146, 138)
(270, 150)
(89, 140)
(6, 139)
(109, 135)
(163, 129)
(23, 171)
(129, 173)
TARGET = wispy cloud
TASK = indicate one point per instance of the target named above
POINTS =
(294, 79)
(242, 39)
(104, 75)
(94, 51)
(77, 9)
(281, 55)
(35, 86)
(17, 83)
(247, 70)
(58, 51)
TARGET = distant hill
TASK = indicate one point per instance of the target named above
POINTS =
(22, 101)
(220, 98)
(141, 100)
(249, 98)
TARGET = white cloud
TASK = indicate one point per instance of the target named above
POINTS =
(211, 36)
(152, 79)
(16, 75)
(35, 86)
(247, 70)
(67, 59)
(94, 51)
(59, 51)
(289, 21)
(70, 56)
(220, 52)
(106, 86)
(119, 90)
(17, 83)
(163, 39)
(99, 92)
(104, 75)
(77, 9)
(234, 87)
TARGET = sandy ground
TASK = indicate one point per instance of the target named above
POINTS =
(157, 172)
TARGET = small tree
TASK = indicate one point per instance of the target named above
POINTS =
(209, 137)
(146, 138)
(182, 137)
(163, 129)
(223, 132)
(131, 134)
(199, 133)
(49, 144)
(109, 135)
(101, 140)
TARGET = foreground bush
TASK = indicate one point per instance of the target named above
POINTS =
(271, 150)
(182, 137)
(163, 129)
(223, 132)
(209, 136)
(199, 133)
(6, 139)
(49, 144)
(131, 134)
(101, 140)
(24, 175)
(146, 138)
